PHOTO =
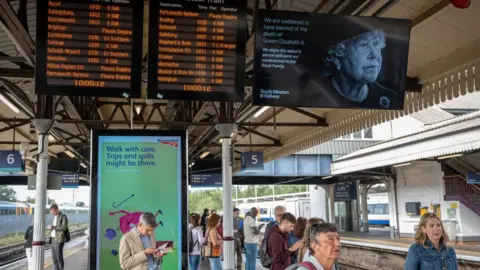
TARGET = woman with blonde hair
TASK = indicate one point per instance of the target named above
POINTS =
(214, 240)
(430, 250)
(303, 252)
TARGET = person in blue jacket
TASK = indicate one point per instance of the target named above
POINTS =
(430, 250)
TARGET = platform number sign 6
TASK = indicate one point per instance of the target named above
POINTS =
(11, 161)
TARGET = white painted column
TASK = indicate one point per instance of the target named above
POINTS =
(364, 206)
(318, 201)
(228, 240)
(38, 244)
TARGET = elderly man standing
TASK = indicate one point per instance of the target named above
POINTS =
(138, 247)
(279, 212)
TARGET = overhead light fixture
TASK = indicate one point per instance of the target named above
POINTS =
(9, 104)
(83, 165)
(401, 164)
(206, 153)
(51, 138)
(233, 134)
(262, 110)
(69, 153)
(138, 109)
(327, 177)
(450, 156)
(220, 141)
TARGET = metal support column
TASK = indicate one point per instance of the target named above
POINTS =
(364, 207)
(38, 244)
(225, 131)
(331, 203)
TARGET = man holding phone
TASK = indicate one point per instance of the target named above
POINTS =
(58, 233)
(137, 247)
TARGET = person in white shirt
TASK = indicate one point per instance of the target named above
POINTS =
(251, 232)
(196, 240)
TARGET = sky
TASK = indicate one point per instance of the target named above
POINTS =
(66, 195)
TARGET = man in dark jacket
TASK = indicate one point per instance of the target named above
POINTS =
(203, 220)
(278, 243)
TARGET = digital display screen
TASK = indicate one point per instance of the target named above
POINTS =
(138, 173)
(330, 61)
(197, 49)
(89, 48)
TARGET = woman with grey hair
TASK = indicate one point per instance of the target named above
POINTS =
(141, 255)
(323, 243)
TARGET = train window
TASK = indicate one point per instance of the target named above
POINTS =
(379, 209)
(387, 210)
(263, 211)
(370, 209)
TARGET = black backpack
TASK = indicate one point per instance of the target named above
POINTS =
(265, 259)
(191, 244)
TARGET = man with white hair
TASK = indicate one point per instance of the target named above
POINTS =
(279, 211)
(138, 247)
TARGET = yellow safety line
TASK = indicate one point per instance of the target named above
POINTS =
(65, 256)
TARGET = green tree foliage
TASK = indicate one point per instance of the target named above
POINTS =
(212, 199)
(30, 200)
(7, 194)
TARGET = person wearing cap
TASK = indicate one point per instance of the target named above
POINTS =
(351, 61)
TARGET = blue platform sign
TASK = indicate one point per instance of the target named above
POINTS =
(252, 161)
(11, 161)
(206, 180)
(345, 191)
(473, 178)
(70, 180)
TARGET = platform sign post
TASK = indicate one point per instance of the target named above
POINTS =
(70, 180)
(252, 161)
(346, 191)
(473, 178)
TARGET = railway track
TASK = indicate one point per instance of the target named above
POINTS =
(12, 253)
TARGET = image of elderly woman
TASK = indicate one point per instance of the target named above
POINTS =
(352, 67)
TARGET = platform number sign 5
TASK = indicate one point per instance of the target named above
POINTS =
(252, 161)
(11, 161)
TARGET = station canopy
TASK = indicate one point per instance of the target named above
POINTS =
(443, 56)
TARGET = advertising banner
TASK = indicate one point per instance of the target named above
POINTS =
(137, 172)
(330, 61)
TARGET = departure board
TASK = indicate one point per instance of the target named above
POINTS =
(197, 49)
(89, 48)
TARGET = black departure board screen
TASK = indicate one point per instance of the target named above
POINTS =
(330, 61)
(89, 47)
(197, 49)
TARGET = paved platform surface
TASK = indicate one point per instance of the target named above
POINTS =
(77, 259)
